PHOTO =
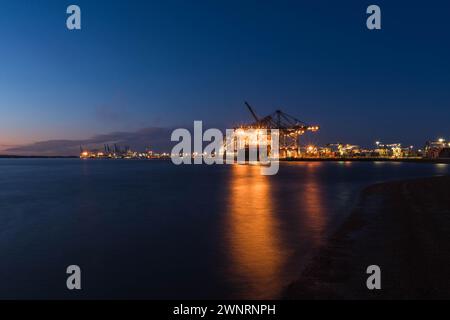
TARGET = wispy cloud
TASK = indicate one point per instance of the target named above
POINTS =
(6, 146)
(116, 110)
(157, 139)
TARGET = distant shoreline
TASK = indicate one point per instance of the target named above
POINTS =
(6, 156)
(414, 160)
(401, 226)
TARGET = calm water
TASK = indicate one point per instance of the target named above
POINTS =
(149, 229)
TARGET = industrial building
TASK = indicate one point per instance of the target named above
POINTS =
(117, 152)
(439, 149)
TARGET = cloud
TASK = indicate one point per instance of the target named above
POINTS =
(114, 111)
(158, 139)
(6, 145)
(110, 115)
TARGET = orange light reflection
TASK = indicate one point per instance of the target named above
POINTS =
(252, 234)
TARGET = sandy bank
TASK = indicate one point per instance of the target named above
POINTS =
(404, 227)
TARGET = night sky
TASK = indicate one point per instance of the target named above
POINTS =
(143, 64)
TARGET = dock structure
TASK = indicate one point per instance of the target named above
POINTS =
(116, 152)
(290, 129)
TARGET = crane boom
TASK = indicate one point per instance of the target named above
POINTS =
(251, 111)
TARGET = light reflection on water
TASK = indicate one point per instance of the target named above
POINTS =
(259, 222)
(312, 203)
(253, 233)
(442, 168)
(177, 232)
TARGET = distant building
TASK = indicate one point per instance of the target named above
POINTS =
(439, 149)
(393, 150)
(117, 153)
(340, 150)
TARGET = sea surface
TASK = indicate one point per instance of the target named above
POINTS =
(150, 229)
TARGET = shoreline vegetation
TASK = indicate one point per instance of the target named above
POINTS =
(401, 226)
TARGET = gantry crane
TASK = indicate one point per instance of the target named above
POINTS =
(290, 129)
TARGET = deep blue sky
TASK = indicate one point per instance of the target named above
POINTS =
(139, 64)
